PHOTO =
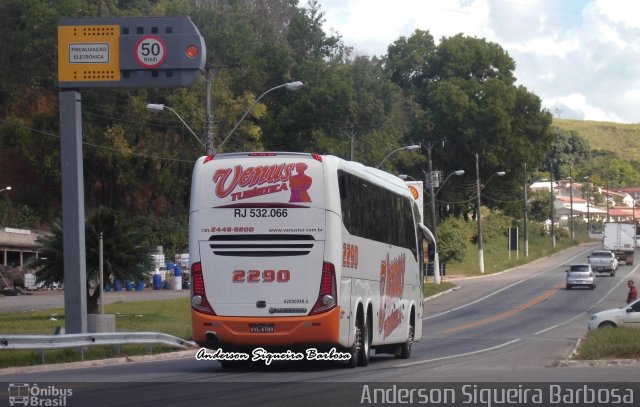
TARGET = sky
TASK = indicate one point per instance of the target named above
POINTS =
(581, 57)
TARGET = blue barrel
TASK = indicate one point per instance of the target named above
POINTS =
(117, 284)
(129, 285)
(157, 281)
(177, 271)
(139, 285)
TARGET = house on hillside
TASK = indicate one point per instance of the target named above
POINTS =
(615, 197)
(544, 185)
(634, 192)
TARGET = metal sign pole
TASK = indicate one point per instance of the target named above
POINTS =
(75, 274)
(109, 52)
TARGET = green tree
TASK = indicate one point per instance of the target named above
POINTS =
(567, 149)
(467, 94)
(126, 253)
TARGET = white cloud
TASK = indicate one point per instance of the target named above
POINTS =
(582, 54)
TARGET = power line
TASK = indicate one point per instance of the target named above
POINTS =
(112, 149)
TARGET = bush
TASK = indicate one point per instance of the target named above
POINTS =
(495, 224)
(453, 235)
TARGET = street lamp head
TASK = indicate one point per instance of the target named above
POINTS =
(412, 147)
(293, 86)
(459, 172)
(6, 189)
(500, 173)
(155, 107)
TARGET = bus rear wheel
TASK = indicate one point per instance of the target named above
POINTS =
(365, 345)
(361, 347)
(405, 348)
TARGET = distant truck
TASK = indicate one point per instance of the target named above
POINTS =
(620, 238)
(603, 261)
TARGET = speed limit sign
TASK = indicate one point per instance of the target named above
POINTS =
(150, 51)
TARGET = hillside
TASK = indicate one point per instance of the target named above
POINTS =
(623, 139)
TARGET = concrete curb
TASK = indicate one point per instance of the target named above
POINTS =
(440, 294)
(600, 363)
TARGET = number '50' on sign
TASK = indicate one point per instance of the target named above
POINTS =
(150, 51)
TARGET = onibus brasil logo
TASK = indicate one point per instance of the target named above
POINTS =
(25, 394)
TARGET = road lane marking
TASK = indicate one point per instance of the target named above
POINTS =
(502, 289)
(422, 362)
(547, 329)
(505, 314)
(588, 311)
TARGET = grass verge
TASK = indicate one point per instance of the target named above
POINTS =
(497, 258)
(610, 343)
(168, 316)
(432, 289)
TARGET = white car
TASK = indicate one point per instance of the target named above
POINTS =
(629, 315)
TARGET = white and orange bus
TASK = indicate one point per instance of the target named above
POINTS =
(297, 250)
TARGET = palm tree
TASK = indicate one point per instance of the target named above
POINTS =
(126, 253)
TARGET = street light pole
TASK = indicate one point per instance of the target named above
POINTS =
(291, 86)
(158, 107)
(436, 262)
(478, 212)
(411, 147)
(209, 148)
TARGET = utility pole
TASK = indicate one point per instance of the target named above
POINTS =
(209, 138)
(526, 217)
(571, 201)
(553, 220)
(479, 218)
(436, 261)
(588, 204)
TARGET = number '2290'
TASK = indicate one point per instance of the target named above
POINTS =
(264, 276)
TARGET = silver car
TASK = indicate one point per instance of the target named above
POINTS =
(580, 275)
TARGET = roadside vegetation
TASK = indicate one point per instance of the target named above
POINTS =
(168, 316)
(611, 343)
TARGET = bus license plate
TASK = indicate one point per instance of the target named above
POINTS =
(262, 328)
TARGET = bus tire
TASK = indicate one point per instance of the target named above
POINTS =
(365, 343)
(354, 350)
(405, 348)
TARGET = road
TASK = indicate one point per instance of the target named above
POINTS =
(514, 327)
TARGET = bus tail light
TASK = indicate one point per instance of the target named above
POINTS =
(199, 300)
(328, 293)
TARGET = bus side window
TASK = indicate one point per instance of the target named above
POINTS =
(342, 186)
